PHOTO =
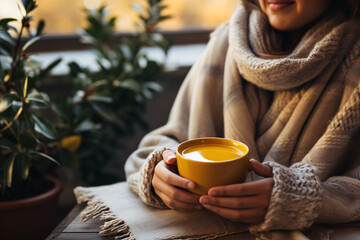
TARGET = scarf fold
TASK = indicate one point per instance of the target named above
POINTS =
(307, 87)
(326, 43)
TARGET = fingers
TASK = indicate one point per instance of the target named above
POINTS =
(244, 189)
(176, 198)
(243, 202)
(261, 169)
(171, 178)
(258, 201)
(170, 188)
(169, 157)
(175, 193)
(252, 215)
(178, 205)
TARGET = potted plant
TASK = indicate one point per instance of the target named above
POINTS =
(104, 105)
(25, 134)
(107, 104)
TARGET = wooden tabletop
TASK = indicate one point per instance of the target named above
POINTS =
(71, 228)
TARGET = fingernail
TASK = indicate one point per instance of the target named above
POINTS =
(204, 200)
(171, 160)
(190, 185)
(213, 193)
(256, 162)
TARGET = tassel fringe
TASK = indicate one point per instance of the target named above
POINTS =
(113, 227)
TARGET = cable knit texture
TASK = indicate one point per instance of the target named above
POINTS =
(140, 182)
(298, 113)
(299, 185)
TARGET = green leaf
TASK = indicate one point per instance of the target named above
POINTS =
(75, 69)
(86, 126)
(9, 169)
(25, 167)
(153, 86)
(44, 127)
(30, 42)
(4, 35)
(163, 18)
(40, 27)
(31, 124)
(5, 21)
(6, 144)
(38, 100)
(63, 111)
(51, 66)
(99, 98)
(130, 84)
(5, 103)
(100, 83)
(104, 111)
(29, 5)
(5, 50)
(45, 156)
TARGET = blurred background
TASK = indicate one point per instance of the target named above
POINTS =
(189, 28)
(64, 17)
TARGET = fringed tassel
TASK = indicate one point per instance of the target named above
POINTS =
(94, 209)
(113, 227)
(82, 195)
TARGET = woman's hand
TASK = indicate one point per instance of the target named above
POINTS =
(244, 202)
(170, 187)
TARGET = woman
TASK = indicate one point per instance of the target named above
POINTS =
(282, 77)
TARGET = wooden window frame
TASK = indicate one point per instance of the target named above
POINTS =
(72, 42)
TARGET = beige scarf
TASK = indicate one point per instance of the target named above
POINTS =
(308, 87)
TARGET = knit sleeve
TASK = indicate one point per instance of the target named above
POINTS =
(296, 198)
(140, 182)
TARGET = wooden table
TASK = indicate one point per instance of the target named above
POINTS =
(71, 228)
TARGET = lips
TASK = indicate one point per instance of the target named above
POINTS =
(276, 5)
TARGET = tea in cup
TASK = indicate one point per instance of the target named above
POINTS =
(211, 162)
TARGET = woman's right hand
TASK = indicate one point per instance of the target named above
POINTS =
(172, 188)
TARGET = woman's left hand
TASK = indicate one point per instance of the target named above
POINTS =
(245, 202)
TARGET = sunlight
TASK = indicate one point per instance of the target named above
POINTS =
(11, 8)
(66, 16)
(92, 4)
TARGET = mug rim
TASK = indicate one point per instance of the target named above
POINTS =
(215, 138)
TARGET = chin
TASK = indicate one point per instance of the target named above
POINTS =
(284, 27)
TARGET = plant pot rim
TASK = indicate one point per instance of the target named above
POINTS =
(36, 200)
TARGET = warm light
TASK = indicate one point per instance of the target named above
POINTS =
(11, 9)
(92, 4)
(65, 16)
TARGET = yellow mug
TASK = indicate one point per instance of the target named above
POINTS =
(211, 162)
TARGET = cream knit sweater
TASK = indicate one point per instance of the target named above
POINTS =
(299, 114)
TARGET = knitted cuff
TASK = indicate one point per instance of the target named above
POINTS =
(296, 198)
(141, 181)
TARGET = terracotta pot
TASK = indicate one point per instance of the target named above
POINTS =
(30, 218)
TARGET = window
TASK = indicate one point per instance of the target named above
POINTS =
(64, 17)
(191, 23)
